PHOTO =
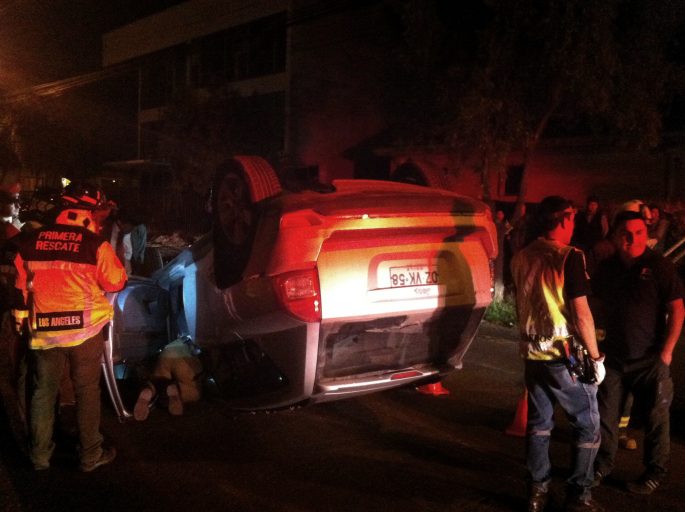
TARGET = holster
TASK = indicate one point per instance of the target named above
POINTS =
(579, 362)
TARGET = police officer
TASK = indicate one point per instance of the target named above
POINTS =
(553, 314)
(63, 271)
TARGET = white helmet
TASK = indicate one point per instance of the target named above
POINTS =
(638, 206)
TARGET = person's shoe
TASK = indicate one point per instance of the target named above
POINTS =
(580, 503)
(646, 484)
(598, 477)
(108, 454)
(142, 408)
(41, 466)
(175, 403)
(626, 442)
(537, 497)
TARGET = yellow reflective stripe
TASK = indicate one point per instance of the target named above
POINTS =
(60, 265)
(51, 339)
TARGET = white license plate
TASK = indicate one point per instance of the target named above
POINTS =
(413, 275)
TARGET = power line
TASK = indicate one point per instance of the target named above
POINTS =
(60, 86)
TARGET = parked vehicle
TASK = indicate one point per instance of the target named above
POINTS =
(317, 295)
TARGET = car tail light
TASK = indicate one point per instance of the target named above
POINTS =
(299, 294)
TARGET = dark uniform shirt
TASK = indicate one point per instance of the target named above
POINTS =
(634, 301)
(576, 283)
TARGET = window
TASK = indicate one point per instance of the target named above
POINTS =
(156, 83)
(212, 59)
(257, 48)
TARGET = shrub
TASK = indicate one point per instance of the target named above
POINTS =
(502, 312)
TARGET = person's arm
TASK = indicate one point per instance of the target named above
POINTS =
(576, 289)
(605, 225)
(111, 275)
(585, 325)
(21, 282)
(676, 315)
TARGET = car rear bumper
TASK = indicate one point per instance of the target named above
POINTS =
(335, 360)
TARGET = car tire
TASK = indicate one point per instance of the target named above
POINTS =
(239, 187)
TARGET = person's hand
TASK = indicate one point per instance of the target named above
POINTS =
(667, 359)
(21, 320)
(598, 368)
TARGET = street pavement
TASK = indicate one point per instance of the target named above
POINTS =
(398, 450)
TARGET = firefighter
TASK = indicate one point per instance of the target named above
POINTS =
(64, 271)
(177, 374)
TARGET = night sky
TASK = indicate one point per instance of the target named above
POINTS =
(48, 40)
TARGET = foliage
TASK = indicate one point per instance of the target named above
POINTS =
(201, 132)
(8, 143)
(50, 137)
(490, 76)
(32, 138)
(502, 312)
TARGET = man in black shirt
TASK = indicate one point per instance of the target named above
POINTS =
(642, 297)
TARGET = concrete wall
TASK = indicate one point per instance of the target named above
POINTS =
(574, 170)
(181, 23)
(335, 93)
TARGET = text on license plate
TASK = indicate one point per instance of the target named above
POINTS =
(413, 275)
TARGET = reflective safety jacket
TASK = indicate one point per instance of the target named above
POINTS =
(543, 315)
(64, 271)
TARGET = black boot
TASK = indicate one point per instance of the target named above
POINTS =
(537, 496)
(580, 500)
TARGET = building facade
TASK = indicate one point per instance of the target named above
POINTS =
(311, 74)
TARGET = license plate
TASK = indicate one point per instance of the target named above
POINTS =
(413, 275)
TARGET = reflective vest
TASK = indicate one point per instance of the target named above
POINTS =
(543, 315)
(64, 271)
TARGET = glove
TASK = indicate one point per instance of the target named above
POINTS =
(598, 368)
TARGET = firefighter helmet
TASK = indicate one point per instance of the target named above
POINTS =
(638, 206)
(82, 196)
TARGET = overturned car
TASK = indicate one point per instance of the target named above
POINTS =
(315, 295)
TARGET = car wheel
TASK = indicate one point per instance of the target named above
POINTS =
(238, 189)
(235, 216)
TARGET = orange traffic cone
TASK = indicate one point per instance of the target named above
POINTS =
(435, 389)
(518, 426)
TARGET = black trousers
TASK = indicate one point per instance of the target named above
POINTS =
(652, 388)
